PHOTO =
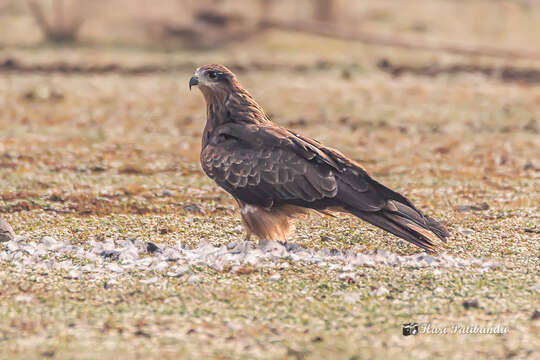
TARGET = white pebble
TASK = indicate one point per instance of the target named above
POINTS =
(49, 242)
(161, 267)
(439, 290)
(379, 292)
(149, 281)
(88, 268)
(115, 268)
(347, 276)
(74, 274)
(12, 246)
(24, 298)
(352, 297)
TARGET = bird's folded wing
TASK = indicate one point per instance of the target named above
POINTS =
(269, 165)
(266, 175)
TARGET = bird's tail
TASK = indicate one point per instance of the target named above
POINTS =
(402, 219)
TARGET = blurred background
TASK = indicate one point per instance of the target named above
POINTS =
(178, 24)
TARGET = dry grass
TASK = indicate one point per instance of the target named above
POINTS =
(88, 156)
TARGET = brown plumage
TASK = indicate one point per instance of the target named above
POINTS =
(275, 174)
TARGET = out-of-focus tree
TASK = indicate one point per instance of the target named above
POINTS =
(325, 10)
(4, 5)
(265, 10)
(62, 24)
(206, 24)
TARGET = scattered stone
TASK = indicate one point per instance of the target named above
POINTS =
(348, 277)
(439, 290)
(149, 281)
(73, 275)
(194, 279)
(273, 247)
(528, 165)
(24, 298)
(110, 254)
(48, 353)
(125, 255)
(168, 193)
(115, 268)
(466, 231)
(317, 339)
(12, 246)
(151, 247)
(295, 354)
(476, 207)
(284, 265)
(536, 287)
(535, 315)
(177, 271)
(241, 247)
(88, 268)
(244, 269)
(352, 297)
(275, 277)
(238, 229)
(426, 258)
(145, 262)
(194, 208)
(142, 333)
(161, 266)
(109, 284)
(50, 243)
(6, 231)
(532, 126)
(171, 254)
(379, 292)
(468, 304)
(292, 247)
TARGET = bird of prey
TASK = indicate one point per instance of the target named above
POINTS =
(275, 174)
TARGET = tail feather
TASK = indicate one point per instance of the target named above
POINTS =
(392, 212)
(418, 218)
(426, 235)
(437, 228)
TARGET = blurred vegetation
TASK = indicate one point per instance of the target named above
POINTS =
(211, 23)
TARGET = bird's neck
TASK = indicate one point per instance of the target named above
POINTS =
(224, 107)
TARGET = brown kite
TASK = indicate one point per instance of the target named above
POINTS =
(275, 174)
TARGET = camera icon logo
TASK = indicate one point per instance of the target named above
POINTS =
(410, 329)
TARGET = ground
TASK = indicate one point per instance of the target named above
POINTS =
(105, 156)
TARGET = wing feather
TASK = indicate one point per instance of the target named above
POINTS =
(270, 165)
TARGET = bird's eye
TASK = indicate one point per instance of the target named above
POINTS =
(212, 75)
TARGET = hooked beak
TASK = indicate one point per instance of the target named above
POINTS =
(193, 81)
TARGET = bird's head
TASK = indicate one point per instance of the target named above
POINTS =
(213, 79)
(225, 96)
